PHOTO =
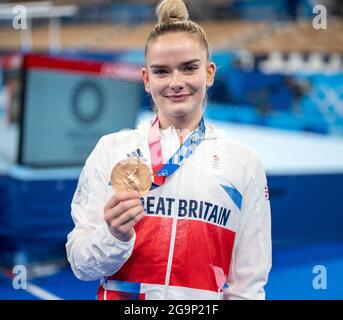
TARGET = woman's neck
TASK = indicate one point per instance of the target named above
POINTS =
(183, 124)
(188, 121)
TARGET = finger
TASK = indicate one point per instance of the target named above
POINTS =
(125, 228)
(121, 207)
(121, 196)
(136, 219)
(127, 216)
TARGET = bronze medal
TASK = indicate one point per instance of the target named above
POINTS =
(131, 175)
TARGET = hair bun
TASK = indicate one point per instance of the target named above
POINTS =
(169, 11)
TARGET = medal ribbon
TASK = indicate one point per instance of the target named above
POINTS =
(161, 170)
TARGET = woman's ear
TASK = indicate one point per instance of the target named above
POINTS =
(145, 77)
(211, 71)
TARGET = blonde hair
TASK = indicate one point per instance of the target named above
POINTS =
(173, 16)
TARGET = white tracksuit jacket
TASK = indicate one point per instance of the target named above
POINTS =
(212, 213)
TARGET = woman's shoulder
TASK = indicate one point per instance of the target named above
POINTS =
(233, 146)
(109, 145)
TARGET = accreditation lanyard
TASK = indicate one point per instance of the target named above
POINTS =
(161, 170)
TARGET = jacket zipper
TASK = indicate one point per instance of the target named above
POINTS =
(172, 240)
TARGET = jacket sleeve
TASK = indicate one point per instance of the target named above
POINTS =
(251, 258)
(92, 251)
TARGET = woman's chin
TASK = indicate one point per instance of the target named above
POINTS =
(179, 110)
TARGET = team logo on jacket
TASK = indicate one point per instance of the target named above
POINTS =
(137, 154)
(215, 162)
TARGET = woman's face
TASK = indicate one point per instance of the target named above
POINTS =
(177, 75)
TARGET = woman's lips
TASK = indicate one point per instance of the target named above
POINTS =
(178, 97)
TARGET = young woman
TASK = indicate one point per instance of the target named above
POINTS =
(205, 222)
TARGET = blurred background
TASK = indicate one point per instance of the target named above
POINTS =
(69, 73)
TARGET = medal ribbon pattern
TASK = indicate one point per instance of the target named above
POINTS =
(161, 170)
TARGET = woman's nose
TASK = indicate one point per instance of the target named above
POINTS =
(176, 83)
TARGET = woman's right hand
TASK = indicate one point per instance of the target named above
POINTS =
(122, 212)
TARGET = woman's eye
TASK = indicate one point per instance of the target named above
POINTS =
(191, 68)
(159, 71)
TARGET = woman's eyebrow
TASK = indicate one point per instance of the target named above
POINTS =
(158, 66)
(190, 62)
(182, 64)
